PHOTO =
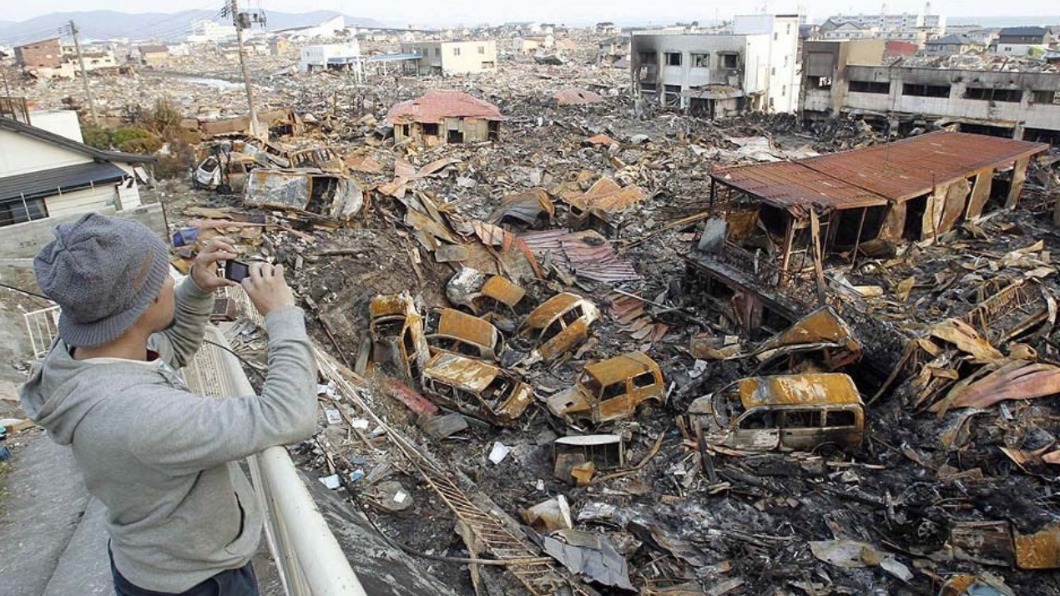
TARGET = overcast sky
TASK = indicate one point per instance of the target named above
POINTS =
(560, 11)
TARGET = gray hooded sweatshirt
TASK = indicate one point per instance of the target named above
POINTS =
(164, 461)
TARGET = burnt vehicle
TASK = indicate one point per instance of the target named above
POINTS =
(396, 328)
(475, 388)
(322, 158)
(314, 192)
(224, 164)
(611, 389)
(790, 412)
(558, 325)
(454, 331)
(480, 293)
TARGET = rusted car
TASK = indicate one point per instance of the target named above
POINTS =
(822, 336)
(475, 388)
(454, 331)
(328, 194)
(481, 293)
(795, 412)
(396, 329)
(611, 389)
(558, 325)
(226, 173)
(323, 158)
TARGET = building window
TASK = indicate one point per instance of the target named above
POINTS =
(648, 88)
(788, 32)
(647, 58)
(19, 211)
(775, 36)
(783, 90)
(915, 90)
(870, 87)
(482, 49)
(673, 58)
(456, 51)
(700, 60)
(1047, 96)
(988, 94)
(728, 60)
(773, 71)
(430, 130)
(437, 51)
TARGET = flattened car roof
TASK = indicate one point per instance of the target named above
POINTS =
(815, 389)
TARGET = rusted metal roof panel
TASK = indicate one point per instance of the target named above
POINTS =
(787, 184)
(586, 253)
(912, 167)
(796, 390)
(872, 176)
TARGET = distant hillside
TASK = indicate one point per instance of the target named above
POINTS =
(108, 24)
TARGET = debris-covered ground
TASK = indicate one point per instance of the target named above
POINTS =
(933, 492)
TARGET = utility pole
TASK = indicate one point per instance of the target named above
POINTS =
(84, 75)
(240, 22)
(7, 90)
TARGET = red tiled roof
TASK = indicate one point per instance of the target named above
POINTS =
(438, 104)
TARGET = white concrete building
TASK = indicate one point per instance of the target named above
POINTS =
(210, 32)
(721, 75)
(334, 55)
(906, 26)
(453, 57)
(45, 174)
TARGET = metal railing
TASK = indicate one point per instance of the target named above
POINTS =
(42, 326)
(307, 555)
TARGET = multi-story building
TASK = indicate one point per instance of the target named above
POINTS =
(905, 26)
(47, 53)
(842, 78)
(453, 57)
(211, 32)
(716, 75)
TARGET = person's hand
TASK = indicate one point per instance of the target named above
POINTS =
(204, 267)
(267, 288)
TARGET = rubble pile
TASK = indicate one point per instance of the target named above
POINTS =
(510, 343)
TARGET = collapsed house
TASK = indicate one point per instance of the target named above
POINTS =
(784, 218)
(444, 116)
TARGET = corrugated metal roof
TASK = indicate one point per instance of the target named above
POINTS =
(46, 183)
(893, 172)
(785, 184)
(586, 253)
(438, 104)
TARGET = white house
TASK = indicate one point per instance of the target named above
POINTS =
(335, 55)
(45, 174)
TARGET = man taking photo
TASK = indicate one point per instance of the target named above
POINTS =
(181, 515)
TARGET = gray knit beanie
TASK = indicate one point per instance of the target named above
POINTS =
(104, 272)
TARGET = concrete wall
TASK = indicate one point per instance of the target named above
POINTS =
(830, 59)
(20, 154)
(61, 122)
(25, 240)
(1018, 115)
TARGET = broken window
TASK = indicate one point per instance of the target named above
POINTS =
(456, 51)
(841, 418)
(728, 60)
(802, 419)
(552, 330)
(572, 315)
(988, 94)
(820, 82)
(759, 420)
(648, 87)
(673, 58)
(1047, 96)
(643, 380)
(700, 60)
(454, 136)
(430, 129)
(882, 87)
(405, 130)
(647, 58)
(613, 390)
(917, 90)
